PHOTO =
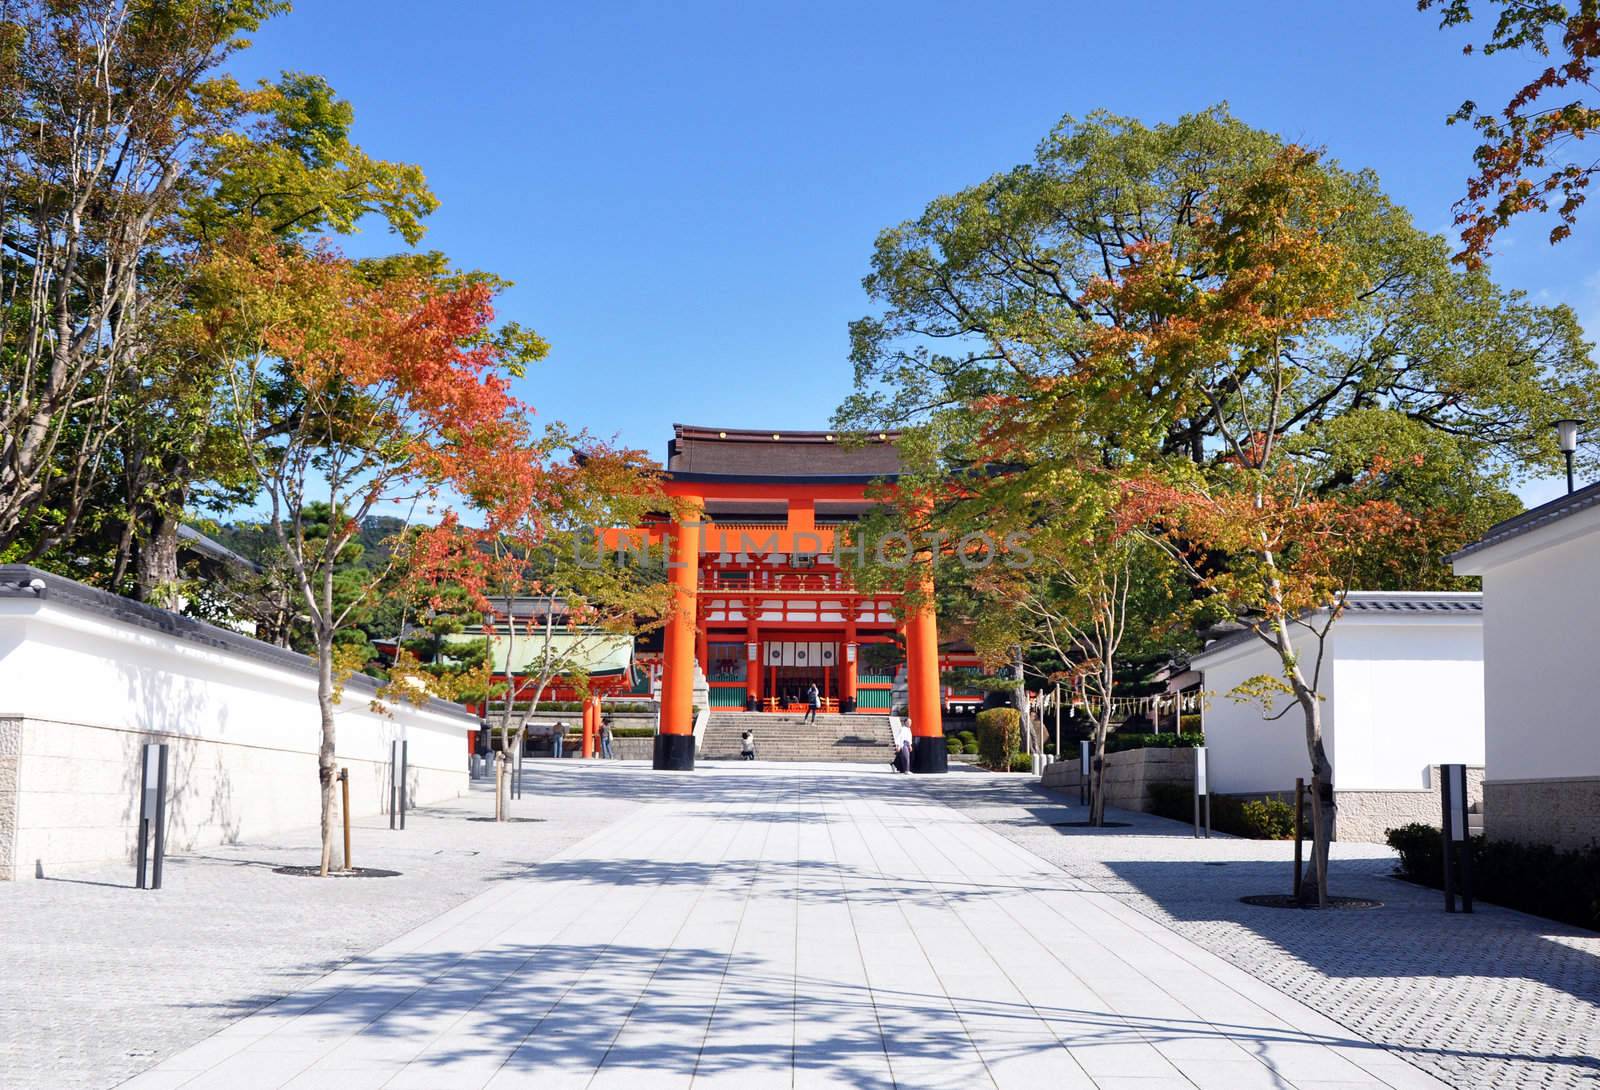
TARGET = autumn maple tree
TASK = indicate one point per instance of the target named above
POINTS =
(364, 386)
(1257, 525)
(1530, 155)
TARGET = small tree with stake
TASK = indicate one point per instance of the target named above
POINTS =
(541, 546)
(366, 386)
(1092, 589)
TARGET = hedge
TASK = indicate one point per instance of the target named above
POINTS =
(999, 736)
(1257, 819)
(1118, 743)
(1535, 878)
(633, 732)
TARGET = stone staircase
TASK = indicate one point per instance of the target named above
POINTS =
(783, 737)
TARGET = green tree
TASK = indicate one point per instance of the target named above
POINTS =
(289, 172)
(105, 108)
(995, 295)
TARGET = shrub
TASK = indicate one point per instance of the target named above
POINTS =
(1021, 762)
(971, 747)
(1257, 819)
(1271, 819)
(633, 732)
(952, 745)
(1172, 800)
(999, 735)
(967, 737)
(1536, 878)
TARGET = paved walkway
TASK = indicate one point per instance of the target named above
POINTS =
(750, 927)
(98, 981)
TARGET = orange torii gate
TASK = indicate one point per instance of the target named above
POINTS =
(776, 573)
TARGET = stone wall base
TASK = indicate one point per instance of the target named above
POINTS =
(69, 793)
(1128, 775)
(1366, 816)
(1362, 816)
(10, 762)
(1564, 813)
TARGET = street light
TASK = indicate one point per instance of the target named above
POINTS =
(1567, 438)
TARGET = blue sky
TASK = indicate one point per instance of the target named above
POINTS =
(686, 195)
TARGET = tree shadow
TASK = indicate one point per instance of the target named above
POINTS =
(531, 1007)
(1475, 964)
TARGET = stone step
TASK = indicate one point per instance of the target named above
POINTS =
(785, 737)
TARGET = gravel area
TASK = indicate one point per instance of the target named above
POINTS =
(1495, 999)
(101, 981)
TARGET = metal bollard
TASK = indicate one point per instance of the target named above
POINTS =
(1201, 791)
(1457, 837)
(152, 814)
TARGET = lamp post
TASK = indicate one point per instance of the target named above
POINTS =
(1567, 436)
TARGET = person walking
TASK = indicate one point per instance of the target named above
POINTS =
(813, 702)
(747, 746)
(605, 739)
(558, 735)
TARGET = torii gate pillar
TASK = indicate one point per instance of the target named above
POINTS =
(674, 748)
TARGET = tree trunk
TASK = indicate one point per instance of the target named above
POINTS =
(500, 807)
(325, 753)
(1023, 715)
(157, 560)
(1322, 805)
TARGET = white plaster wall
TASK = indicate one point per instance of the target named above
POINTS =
(89, 690)
(1410, 696)
(1542, 682)
(1399, 695)
(1246, 753)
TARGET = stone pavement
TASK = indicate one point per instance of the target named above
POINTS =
(98, 981)
(753, 926)
(1495, 999)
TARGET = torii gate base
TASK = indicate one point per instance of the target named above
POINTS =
(930, 755)
(674, 753)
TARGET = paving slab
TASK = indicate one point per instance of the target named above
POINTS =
(750, 925)
(1492, 999)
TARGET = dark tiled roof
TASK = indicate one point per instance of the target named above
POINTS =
(1374, 602)
(750, 453)
(214, 550)
(1543, 515)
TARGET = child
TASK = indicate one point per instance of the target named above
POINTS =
(747, 746)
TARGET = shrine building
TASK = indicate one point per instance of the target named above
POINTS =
(765, 602)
